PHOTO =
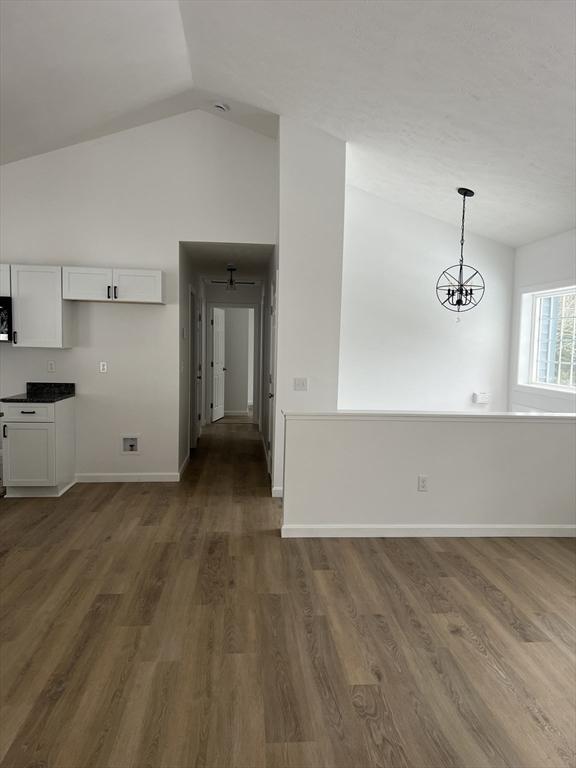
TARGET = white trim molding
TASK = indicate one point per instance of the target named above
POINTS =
(277, 492)
(443, 416)
(38, 492)
(129, 477)
(450, 530)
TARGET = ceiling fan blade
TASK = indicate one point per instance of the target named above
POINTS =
(244, 282)
(220, 282)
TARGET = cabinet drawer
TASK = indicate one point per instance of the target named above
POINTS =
(27, 411)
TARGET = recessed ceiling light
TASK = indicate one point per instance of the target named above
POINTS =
(221, 107)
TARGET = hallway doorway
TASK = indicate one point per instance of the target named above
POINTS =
(234, 366)
(227, 344)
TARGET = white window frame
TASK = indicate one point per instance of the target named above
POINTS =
(534, 323)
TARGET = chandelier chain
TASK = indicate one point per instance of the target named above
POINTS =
(462, 236)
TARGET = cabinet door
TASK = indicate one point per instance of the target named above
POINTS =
(138, 285)
(28, 454)
(4, 279)
(87, 283)
(37, 311)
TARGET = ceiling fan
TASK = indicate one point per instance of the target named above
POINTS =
(231, 283)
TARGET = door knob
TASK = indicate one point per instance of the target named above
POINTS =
(270, 395)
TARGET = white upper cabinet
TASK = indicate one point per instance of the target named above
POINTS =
(106, 284)
(138, 285)
(87, 283)
(40, 317)
(4, 279)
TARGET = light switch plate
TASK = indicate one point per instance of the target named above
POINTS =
(300, 385)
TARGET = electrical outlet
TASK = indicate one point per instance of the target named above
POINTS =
(51, 366)
(103, 366)
(423, 483)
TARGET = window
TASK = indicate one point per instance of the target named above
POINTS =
(553, 362)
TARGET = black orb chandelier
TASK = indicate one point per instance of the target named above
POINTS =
(460, 287)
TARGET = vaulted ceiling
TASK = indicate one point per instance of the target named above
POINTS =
(430, 94)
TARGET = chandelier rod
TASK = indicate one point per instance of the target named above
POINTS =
(462, 237)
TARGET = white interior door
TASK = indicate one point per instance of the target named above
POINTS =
(218, 360)
(271, 374)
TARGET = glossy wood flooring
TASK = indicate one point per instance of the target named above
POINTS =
(165, 625)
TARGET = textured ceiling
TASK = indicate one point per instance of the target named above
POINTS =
(71, 69)
(74, 70)
(430, 94)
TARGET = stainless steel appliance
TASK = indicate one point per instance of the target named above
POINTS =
(5, 318)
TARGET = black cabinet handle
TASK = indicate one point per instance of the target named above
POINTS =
(108, 291)
(4, 433)
(15, 337)
(115, 291)
(28, 412)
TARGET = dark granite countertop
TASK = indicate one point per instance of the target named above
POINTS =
(42, 392)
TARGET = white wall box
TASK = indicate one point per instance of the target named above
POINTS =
(5, 280)
(40, 317)
(144, 286)
(38, 455)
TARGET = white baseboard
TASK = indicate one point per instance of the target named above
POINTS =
(38, 492)
(355, 530)
(237, 413)
(128, 477)
(183, 466)
(277, 492)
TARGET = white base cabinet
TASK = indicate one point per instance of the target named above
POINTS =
(38, 447)
(29, 455)
(143, 286)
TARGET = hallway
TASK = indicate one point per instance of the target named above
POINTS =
(168, 625)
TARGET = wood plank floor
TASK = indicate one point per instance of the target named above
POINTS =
(169, 626)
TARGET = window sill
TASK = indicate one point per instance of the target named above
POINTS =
(542, 389)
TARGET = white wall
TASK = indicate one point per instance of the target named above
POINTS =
(399, 348)
(236, 357)
(350, 474)
(540, 266)
(127, 200)
(310, 223)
